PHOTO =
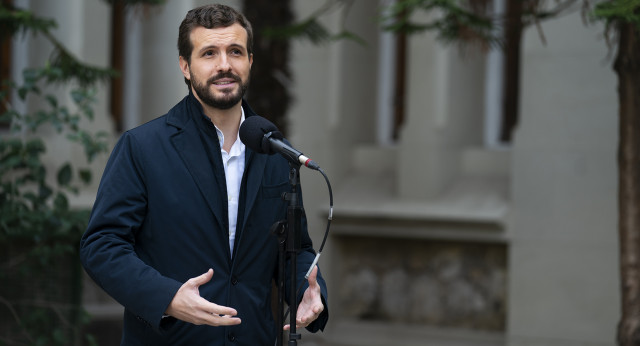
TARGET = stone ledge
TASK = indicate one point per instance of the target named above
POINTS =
(352, 333)
(109, 311)
(426, 228)
(473, 208)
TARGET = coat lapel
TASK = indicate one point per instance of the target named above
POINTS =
(189, 146)
(255, 171)
(209, 175)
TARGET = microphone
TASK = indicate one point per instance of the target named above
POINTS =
(262, 136)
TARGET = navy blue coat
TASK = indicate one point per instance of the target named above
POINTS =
(160, 219)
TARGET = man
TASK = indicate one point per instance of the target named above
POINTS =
(179, 233)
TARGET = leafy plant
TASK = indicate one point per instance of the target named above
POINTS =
(39, 230)
(311, 29)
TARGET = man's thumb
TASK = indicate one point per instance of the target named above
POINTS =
(203, 279)
(313, 276)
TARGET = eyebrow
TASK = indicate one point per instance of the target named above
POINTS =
(233, 45)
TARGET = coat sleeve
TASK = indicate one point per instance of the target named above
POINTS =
(107, 248)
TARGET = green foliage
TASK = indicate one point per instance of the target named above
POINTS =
(65, 67)
(452, 20)
(62, 67)
(627, 11)
(14, 20)
(309, 29)
(313, 30)
(40, 273)
(466, 21)
(39, 229)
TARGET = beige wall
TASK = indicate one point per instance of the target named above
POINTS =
(565, 281)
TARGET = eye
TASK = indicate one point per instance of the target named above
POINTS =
(236, 52)
(208, 53)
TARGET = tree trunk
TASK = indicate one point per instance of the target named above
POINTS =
(627, 67)
(270, 76)
(511, 70)
(117, 62)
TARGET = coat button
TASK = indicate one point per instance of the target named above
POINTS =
(234, 280)
(232, 337)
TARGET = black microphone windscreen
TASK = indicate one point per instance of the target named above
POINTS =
(253, 131)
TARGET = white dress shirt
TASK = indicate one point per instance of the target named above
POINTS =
(233, 162)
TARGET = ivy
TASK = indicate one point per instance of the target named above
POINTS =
(39, 228)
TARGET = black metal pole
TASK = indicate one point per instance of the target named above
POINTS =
(294, 221)
(279, 229)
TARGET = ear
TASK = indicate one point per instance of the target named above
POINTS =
(184, 67)
(250, 60)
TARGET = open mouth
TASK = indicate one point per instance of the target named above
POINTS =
(225, 82)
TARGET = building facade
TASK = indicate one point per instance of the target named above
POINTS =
(441, 234)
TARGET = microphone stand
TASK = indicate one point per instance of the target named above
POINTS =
(288, 232)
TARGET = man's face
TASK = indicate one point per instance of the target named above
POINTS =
(220, 65)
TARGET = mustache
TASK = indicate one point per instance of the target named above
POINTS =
(224, 75)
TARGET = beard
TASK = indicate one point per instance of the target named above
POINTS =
(228, 99)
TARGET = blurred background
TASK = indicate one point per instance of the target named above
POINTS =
(475, 180)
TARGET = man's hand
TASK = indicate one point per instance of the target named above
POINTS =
(311, 305)
(188, 306)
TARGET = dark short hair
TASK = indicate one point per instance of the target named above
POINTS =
(211, 17)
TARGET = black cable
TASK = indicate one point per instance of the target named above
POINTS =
(324, 240)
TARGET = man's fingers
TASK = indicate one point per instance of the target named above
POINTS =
(315, 312)
(219, 310)
(224, 320)
(304, 321)
(298, 325)
(216, 315)
(206, 307)
(214, 319)
(187, 305)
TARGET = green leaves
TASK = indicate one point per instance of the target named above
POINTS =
(309, 29)
(93, 144)
(21, 159)
(61, 203)
(627, 11)
(85, 175)
(64, 175)
(14, 20)
(39, 226)
(467, 21)
(33, 204)
(451, 20)
(313, 30)
(64, 67)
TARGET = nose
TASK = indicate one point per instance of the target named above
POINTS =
(223, 63)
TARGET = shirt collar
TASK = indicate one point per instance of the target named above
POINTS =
(238, 146)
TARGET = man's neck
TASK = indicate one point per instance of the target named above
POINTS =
(227, 121)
